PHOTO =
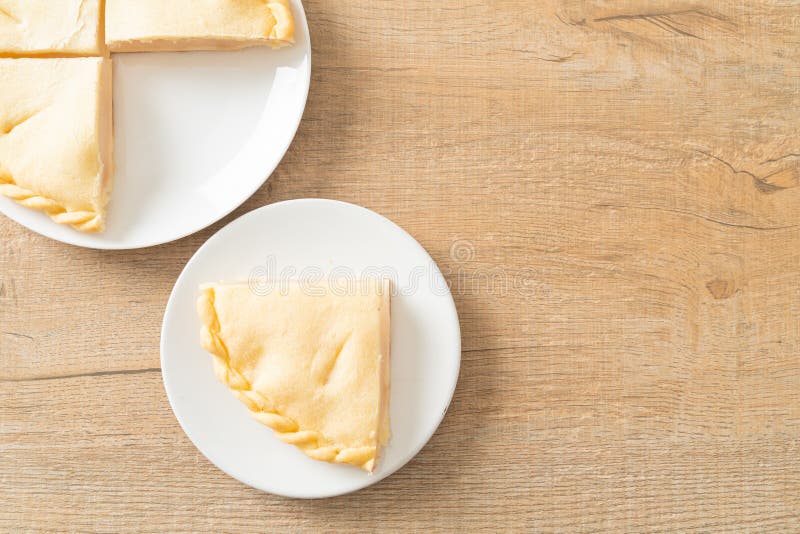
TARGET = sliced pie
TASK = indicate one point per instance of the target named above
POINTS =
(308, 363)
(56, 137)
(50, 28)
(175, 25)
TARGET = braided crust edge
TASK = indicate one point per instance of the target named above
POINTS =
(311, 442)
(85, 221)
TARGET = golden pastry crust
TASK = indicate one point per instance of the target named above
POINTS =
(50, 28)
(56, 138)
(312, 442)
(55, 117)
(178, 25)
(84, 221)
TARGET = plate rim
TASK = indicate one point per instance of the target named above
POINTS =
(373, 479)
(77, 242)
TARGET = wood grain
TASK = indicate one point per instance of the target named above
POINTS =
(621, 178)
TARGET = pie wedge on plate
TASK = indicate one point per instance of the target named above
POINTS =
(56, 137)
(308, 363)
(50, 28)
(177, 25)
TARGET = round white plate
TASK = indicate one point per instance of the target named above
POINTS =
(291, 240)
(196, 134)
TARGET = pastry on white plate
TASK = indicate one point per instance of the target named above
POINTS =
(50, 28)
(56, 137)
(177, 25)
(310, 362)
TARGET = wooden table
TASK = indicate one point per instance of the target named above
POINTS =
(623, 181)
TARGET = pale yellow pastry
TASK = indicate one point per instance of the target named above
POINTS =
(56, 137)
(175, 25)
(309, 364)
(50, 28)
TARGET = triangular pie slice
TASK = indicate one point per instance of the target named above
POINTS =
(56, 137)
(176, 25)
(309, 361)
(50, 28)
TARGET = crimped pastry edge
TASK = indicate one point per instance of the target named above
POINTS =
(314, 444)
(84, 221)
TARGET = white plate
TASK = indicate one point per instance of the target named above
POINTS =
(285, 240)
(196, 134)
